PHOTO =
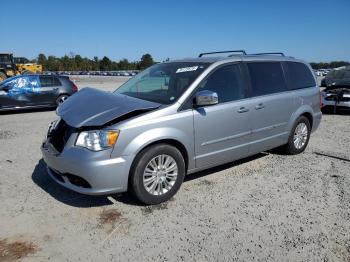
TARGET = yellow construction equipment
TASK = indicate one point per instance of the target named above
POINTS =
(9, 68)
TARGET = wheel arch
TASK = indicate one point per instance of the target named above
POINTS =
(302, 111)
(309, 116)
(170, 141)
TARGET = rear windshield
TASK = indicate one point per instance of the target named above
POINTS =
(163, 83)
(298, 75)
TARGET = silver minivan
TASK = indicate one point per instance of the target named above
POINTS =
(179, 117)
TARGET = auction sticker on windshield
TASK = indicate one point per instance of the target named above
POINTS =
(186, 69)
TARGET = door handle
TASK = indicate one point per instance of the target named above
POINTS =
(243, 110)
(259, 106)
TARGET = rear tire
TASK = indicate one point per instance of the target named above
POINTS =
(61, 99)
(157, 174)
(299, 136)
(2, 76)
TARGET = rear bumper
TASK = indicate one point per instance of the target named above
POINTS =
(99, 173)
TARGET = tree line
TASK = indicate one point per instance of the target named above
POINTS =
(74, 62)
(333, 64)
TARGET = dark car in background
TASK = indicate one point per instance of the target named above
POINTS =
(339, 77)
(35, 91)
(336, 94)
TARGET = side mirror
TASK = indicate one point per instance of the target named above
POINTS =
(206, 98)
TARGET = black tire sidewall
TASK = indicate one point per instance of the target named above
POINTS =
(58, 98)
(137, 187)
(291, 147)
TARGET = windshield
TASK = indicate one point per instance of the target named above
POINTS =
(162, 83)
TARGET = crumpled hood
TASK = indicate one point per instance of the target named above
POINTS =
(92, 107)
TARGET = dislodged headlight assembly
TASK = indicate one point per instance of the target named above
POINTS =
(97, 140)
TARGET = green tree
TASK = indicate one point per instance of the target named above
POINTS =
(94, 64)
(73, 62)
(333, 64)
(42, 60)
(67, 64)
(123, 64)
(105, 64)
(146, 61)
(53, 63)
(79, 62)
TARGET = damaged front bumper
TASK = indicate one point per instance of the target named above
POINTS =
(87, 172)
(333, 98)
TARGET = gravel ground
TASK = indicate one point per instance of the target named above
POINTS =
(269, 207)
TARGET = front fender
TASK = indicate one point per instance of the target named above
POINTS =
(157, 134)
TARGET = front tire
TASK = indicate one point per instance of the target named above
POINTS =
(299, 137)
(157, 174)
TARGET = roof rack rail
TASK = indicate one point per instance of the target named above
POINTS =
(273, 53)
(222, 52)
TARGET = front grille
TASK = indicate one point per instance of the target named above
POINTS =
(60, 135)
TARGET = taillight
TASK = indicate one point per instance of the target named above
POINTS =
(320, 100)
(74, 87)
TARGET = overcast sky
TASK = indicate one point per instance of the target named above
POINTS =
(311, 30)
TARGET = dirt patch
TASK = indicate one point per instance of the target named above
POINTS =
(110, 216)
(150, 209)
(11, 251)
(7, 134)
(112, 221)
(206, 182)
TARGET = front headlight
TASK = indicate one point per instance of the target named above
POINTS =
(97, 140)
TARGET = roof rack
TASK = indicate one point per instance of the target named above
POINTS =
(273, 53)
(222, 52)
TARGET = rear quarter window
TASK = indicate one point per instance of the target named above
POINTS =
(47, 81)
(56, 81)
(266, 78)
(298, 75)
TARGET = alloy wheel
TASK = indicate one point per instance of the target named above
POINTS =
(160, 175)
(300, 135)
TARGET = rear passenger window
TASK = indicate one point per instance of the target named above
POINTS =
(47, 81)
(298, 75)
(226, 82)
(56, 81)
(266, 78)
